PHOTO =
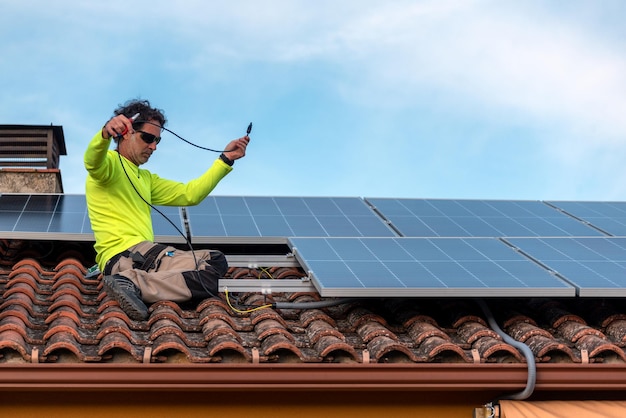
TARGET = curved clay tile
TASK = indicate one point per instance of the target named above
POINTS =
(24, 278)
(112, 325)
(29, 264)
(212, 312)
(58, 343)
(413, 318)
(168, 342)
(573, 331)
(488, 347)
(167, 327)
(118, 341)
(303, 297)
(596, 347)
(215, 327)
(13, 340)
(472, 331)
(14, 323)
(66, 325)
(114, 310)
(64, 311)
(370, 330)
(76, 275)
(557, 315)
(173, 308)
(420, 331)
(286, 273)
(383, 346)
(328, 345)
(434, 347)
(360, 315)
(517, 319)
(68, 289)
(26, 289)
(65, 279)
(320, 328)
(228, 343)
(267, 314)
(23, 300)
(462, 319)
(160, 311)
(616, 329)
(22, 314)
(71, 263)
(277, 342)
(309, 315)
(240, 273)
(522, 331)
(269, 327)
(211, 303)
(70, 301)
(542, 346)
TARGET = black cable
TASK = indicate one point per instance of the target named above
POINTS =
(183, 139)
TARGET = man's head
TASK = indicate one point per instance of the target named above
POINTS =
(139, 146)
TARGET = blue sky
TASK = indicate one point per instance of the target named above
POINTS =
(483, 99)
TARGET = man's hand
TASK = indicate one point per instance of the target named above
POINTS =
(237, 148)
(119, 125)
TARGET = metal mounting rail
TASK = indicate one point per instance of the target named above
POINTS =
(266, 286)
(254, 261)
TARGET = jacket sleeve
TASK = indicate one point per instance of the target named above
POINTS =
(96, 163)
(172, 193)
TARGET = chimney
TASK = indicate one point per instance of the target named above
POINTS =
(29, 158)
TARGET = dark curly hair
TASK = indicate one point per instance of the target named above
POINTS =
(145, 110)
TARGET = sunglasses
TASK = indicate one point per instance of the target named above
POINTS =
(149, 138)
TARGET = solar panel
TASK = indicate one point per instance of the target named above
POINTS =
(273, 219)
(413, 267)
(477, 218)
(595, 266)
(169, 228)
(610, 217)
(65, 216)
(44, 216)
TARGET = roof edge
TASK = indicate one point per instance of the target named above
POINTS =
(263, 377)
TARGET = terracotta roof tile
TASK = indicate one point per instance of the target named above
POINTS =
(55, 314)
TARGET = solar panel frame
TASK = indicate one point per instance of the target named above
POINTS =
(422, 267)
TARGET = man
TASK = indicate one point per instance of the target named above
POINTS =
(119, 194)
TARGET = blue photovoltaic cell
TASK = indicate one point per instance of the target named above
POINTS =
(43, 214)
(171, 228)
(238, 216)
(412, 267)
(595, 266)
(608, 216)
(477, 218)
(62, 216)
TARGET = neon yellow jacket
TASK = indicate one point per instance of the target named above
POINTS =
(119, 217)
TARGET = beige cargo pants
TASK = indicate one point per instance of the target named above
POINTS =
(166, 273)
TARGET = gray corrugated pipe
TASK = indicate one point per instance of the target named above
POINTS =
(312, 305)
(526, 351)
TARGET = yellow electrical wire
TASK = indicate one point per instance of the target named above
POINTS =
(266, 271)
(246, 311)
